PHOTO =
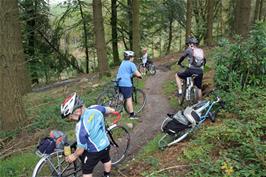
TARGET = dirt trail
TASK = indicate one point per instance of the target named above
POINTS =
(156, 108)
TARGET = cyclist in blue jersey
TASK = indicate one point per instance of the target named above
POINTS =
(92, 142)
(126, 71)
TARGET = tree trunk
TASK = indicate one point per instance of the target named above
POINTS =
(30, 10)
(261, 8)
(114, 33)
(12, 67)
(85, 36)
(130, 25)
(189, 18)
(99, 38)
(242, 17)
(257, 9)
(136, 30)
(210, 4)
(170, 36)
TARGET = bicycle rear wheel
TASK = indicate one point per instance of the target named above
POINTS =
(138, 99)
(119, 140)
(55, 165)
(109, 98)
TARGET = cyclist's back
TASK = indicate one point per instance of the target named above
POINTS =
(196, 62)
(90, 130)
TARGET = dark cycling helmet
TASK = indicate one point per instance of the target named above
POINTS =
(70, 104)
(192, 40)
(128, 54)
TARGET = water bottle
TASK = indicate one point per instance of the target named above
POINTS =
(67, 149)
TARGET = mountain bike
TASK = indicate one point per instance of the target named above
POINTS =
(113, 98)
(149, 68)
(189, 92)
(176, 127)
(54, 164)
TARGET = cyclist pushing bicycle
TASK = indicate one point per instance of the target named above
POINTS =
(126, 71)
(196, 62)
(92, 142)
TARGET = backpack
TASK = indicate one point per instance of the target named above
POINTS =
(197, 57)
(47, 145)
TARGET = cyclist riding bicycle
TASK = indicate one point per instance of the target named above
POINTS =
(92, 142)
(196, 62)
(126, 71)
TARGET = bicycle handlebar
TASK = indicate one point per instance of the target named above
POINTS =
(118, 117)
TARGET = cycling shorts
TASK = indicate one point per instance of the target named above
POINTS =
(91, 159)
(126, 91)
(189, 72)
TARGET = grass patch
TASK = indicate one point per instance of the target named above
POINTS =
(19, 165)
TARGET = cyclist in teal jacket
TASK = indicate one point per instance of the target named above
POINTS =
(92, 142)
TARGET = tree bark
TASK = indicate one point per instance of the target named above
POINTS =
(261, 8)
(85, 36)
(189, 18)
(210, 6)
(242, 17)
(136, 30)
(130, 25)
(170, 36)
(257, 10)
(114, 33)
(99, 38)
(12, 67)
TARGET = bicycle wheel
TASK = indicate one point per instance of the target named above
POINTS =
(119, 140)
(138, 99)
(141, 68)
(55, 165)
(109, 98)
(152, 69)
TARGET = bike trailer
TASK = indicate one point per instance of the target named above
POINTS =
(175, 123)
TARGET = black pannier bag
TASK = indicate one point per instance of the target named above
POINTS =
(176, 123)
(47, 145)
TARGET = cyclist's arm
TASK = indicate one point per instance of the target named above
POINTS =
(109, 110)
(72, 157)
(181, 59)
(137, 74)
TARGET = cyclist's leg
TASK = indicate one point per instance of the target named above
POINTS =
(127, 93)
(198, 84)
(106, 160)
(179, 76)
(89, 161)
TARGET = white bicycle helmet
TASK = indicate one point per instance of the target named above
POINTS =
(69, 105)
(128, 54)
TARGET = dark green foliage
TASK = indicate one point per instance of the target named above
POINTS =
(242, 63)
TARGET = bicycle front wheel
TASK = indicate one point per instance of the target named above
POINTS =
(138, 100)
(55, 165)
(119, 140)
